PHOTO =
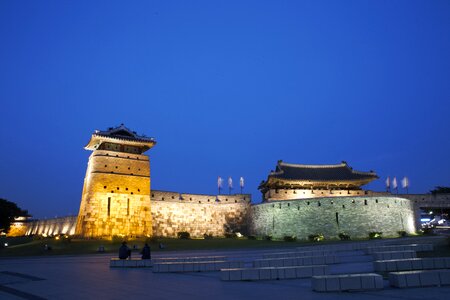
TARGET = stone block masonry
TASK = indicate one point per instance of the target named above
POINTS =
(356, 216)
(199, 214)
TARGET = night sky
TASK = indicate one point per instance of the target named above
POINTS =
(227, 88)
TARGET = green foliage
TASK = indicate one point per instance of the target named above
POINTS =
(230, 235)
(184, 235)
(268, 237)
(290, 238)
(428, 231)
(343, 236)
(207, 236)
(251, 237)
(375, 235)
(440, 190)
(402, 233)
(8, 211)
(316, 237)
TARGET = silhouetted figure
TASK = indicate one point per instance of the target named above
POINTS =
(124, 251)
(146, 252)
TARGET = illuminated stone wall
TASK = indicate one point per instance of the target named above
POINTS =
(17, 229)
(199, 214)
(116, 196)
(356, 216)
(172, 213)
(293, 194)
(49, 227)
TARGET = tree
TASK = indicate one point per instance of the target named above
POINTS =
(8, 211)
(441, 190)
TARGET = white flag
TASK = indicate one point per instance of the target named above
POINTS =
(219, 182)
(230, 182)
(394, 183)
(405, 182)
(241, 182)
(388, 182)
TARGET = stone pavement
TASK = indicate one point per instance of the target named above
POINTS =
(89, 277)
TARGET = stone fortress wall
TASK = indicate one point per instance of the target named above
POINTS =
(292, 194)
(49, 227)
(356, 216)
(115, 199)
(171, 213)
(199, 214)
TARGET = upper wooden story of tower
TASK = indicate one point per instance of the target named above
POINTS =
(120, 139)
(295, 176)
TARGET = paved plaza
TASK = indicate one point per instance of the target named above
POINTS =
(90, 277)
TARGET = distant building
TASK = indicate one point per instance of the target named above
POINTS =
(297, 181)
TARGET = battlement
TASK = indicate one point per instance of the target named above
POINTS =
(199, 198)
(293, 194)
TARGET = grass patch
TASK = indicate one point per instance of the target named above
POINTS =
(30, 247)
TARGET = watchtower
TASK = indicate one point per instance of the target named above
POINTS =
(116, 191)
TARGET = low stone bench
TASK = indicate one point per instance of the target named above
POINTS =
(427, 263)
(411, 279)
(347, 282)
(413, 247)
(130, 263)
(348, 246)
(394, 255)
(295, 261)
(195, 266)
(298, 254)
(272, 273)
(189, 259)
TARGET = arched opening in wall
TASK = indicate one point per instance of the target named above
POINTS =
(307, 202)
(343, 206)
(365, 201)
(337, 219)
(128, 206)
(376, 200)
(109, 206)
(318, 204)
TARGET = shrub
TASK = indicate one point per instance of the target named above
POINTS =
(268, 237)
(402, 233)
(207, 236)
(251, 237)
(343, 236)
(316, 237)
(375, 235)
(183, 235)
(290, 238)
(428, 231)
(230, 235)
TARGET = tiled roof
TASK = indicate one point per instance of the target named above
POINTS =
(122, 132)
(339, 172)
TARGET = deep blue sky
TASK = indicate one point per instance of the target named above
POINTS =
(226, 87)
